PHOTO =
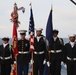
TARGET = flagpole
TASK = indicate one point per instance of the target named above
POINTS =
(49, 33)
(32, 49)
(32, 65)
(49, 61)
(14, 53)
(49, 52)
(16, 66)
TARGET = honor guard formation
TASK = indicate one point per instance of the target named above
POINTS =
(39, 54)
(53, 57)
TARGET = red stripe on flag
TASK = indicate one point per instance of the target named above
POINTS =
(31, 43)
(15, 45)
(15, 40)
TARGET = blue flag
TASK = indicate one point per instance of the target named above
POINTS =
(46, 70)
(49, 33)
(49, 28)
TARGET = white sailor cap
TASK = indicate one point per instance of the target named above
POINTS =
(72, 35)
(22, 32)
(5, 39)
(38, 29)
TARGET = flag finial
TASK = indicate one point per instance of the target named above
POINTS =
(30, 5)
(15, 4)
(51, 6)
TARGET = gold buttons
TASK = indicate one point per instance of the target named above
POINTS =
(22, 45)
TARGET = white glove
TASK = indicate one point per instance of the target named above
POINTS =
(13, 68)
(62, 63)
(65, 66)
(14, 62)
(31, 61)
(44, 61)
(48, 64)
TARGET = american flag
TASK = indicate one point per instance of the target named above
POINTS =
(31, 33)
(31, 30)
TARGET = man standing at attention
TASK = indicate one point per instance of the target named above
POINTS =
(70, 55)
(23, 57)
(40, 52)
(6, 57)
(55, 55)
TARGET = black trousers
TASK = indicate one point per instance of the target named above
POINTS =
(55, 67)
(5, 69)
(71, 67)
(38, 68)
(22, 69)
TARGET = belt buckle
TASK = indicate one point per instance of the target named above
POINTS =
(3, 58)
(49, 51)
(55, 51)
(72, 59)
(37, 52)
(22, 52)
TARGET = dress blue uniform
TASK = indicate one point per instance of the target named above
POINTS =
(23, 57)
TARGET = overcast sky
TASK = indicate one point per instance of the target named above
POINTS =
(64, 15)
